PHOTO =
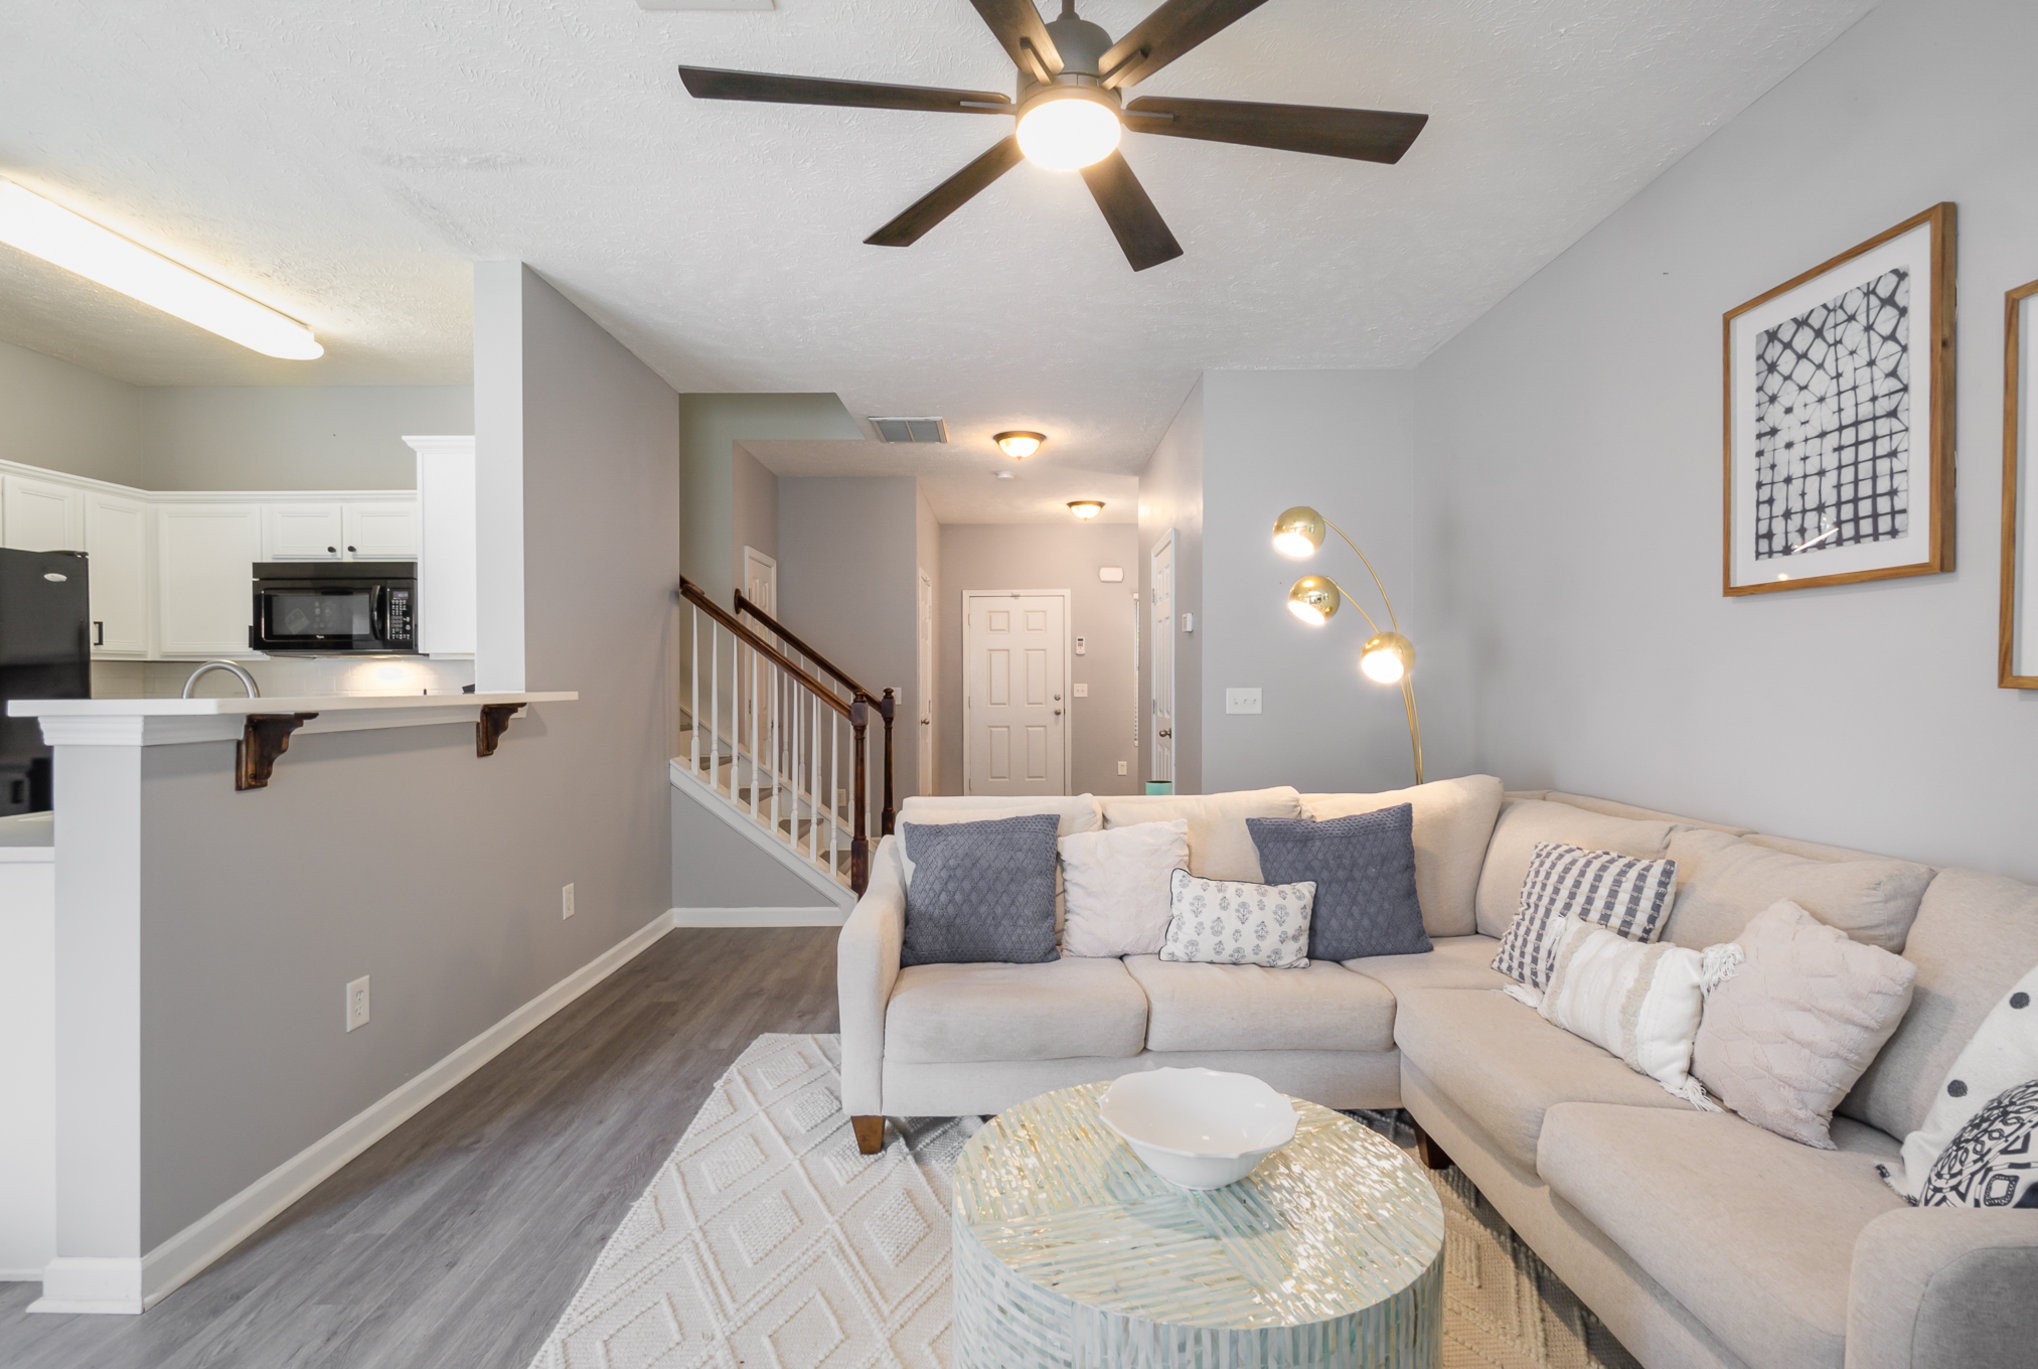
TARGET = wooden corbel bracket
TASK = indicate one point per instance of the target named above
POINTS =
(488, 729)
(264, 737)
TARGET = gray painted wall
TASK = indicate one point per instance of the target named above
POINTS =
(846, 571)
(1344, 442)
(713, 867)
(753, 512)
(1171, 497)
(978, 556)
(295, 437)
(1573, 437)
(927, 550)
(710, 425)
(65, 418)
(250, 931)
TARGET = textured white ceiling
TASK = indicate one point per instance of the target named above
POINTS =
(344, 161)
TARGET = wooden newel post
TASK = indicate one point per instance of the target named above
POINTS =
(859, 843)
(887, 708)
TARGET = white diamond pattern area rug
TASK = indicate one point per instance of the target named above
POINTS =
(766, 1240)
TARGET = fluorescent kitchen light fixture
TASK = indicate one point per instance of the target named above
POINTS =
(49, 231)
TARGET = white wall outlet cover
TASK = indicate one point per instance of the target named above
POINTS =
(357, 1003)
(1111, 575)
(1082, 646)
(1242, 700)
(1082, 691)
(566, 901)
(1188, 623)
(1122, 768)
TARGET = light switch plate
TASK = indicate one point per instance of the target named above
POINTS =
(1082, 691)
(1242, 700)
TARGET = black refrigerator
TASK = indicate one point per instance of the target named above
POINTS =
(45, 653)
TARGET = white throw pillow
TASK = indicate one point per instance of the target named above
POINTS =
(1638, 1001)
(2002, 1054)
(1117, 887)
(1226, 922)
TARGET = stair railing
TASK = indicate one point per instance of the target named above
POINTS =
(886, 703)
(773, 745)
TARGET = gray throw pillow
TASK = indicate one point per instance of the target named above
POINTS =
(981, 891)
(1364, 871)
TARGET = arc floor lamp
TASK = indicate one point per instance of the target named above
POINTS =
(1387, 657)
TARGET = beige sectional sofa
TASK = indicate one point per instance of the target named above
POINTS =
(1698, 1238)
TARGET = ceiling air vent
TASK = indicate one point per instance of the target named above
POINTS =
(910, 429)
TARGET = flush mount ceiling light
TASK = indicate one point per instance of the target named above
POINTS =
(1071, 111)
(1086, 509)
(1019, 445)
(78, 245)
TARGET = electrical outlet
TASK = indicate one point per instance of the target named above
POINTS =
(1242, 700)
(357, 1003)
(1082, 691)
(1122, 770)
(566, 902)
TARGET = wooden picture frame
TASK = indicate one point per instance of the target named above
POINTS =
(1833, 486)
(2017, 652)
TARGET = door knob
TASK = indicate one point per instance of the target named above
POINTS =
(1057, 713)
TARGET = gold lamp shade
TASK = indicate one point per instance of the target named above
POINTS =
(1387, 658)
(1298, 532)
(1314, 600)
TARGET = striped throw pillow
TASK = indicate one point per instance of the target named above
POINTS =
(1626, 896)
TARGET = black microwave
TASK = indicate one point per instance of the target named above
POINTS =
(327, 608)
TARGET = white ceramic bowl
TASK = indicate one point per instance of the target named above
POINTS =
(1198, 1128)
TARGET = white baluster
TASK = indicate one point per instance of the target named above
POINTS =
(714, 699)
(694, 676)
(792, 835)
(756, 755)
(834, 778)
(777, 683)
(814, 799)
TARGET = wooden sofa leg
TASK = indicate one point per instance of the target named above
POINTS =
(1427, 1150)
(870, 1134)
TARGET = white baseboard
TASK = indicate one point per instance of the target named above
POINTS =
(759, 917)
(90, 1285)
(170, 1265)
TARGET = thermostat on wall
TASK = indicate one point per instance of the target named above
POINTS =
(1111, 575)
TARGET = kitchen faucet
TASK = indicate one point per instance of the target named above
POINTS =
(247, 680)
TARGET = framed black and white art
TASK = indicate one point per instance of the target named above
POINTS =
(2017, 653)
(1839, 418)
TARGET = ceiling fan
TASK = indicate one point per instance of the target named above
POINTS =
(1071, 112)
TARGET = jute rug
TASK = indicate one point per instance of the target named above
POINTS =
(766, 1240)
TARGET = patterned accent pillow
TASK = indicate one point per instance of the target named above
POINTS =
(1628, 897)
(1993, 1160)
(1220, 922)
(1638, 1001)
(2002, 1054)
(1363, 867)
(981, 891)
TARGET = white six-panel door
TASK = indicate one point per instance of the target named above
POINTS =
(1015, 714)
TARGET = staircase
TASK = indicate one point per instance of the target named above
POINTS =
(780, 737)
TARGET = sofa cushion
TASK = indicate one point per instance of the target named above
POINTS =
(1252, 1008)
(1504, 1067)
(1753, 1233)
(1219, 845)
(1058, 1010)
(1453, 823)
(1453, 962)
(1975, 936)
(1723, 881)
(1614, 808)
(1525, 822)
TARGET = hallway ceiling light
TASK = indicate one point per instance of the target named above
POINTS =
(1019, 445)
(61, 238)
(1086, 509)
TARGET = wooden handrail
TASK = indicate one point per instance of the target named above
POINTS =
(699, 598)
(745, 604)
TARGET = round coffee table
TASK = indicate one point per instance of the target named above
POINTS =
(1068, 1250)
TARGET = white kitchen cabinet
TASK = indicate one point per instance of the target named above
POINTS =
(382, 530)
(446, 565)
(117, 543)
(41, 515)
(205, 556)
(304, 532)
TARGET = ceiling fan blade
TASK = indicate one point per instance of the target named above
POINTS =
(1016, 25)
(1166, 34)
(704, 83)
(1134, 221)
(1366, 135)
(944, 199)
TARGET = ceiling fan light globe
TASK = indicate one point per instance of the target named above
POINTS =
(1069, 128)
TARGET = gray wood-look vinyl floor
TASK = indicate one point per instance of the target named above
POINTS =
(457, 1240)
